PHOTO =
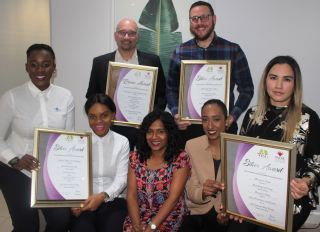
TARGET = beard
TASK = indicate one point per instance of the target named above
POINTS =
(205, 36)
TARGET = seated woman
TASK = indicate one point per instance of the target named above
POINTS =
(203, 188)
(37, 103)
(281, 116)
(106, 209)
(157, 176)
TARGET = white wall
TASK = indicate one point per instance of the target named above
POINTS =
(83, 29)
(20, 27)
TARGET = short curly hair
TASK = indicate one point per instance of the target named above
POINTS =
(174, 141)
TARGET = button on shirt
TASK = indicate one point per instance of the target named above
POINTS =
(219, 49)
(110, 157)
(26, 107)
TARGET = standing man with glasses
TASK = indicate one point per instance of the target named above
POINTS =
(207, 45)
(126, 38)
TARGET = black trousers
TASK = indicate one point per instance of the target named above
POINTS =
(16, 189)
(108, 217)
(202, 223)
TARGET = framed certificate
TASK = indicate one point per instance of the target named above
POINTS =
(132, 88)
(257, 174)
(64, 177)
(202, 80)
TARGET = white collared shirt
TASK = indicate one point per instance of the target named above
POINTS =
(132, 60)
(26, 107)
(110, 158)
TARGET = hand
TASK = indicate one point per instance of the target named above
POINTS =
(182, 124)
(148, 229)
(299, 187)
(93, 202)
(236, 218)
(27, 162)
(211, 188)
(138, 228)
(76, 211)
(229, 121)
(222, 217)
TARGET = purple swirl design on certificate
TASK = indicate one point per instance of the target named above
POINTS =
(192, 111)
(119, 114)
(243, 148)
(51, 191)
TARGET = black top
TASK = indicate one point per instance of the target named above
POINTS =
(216, 166)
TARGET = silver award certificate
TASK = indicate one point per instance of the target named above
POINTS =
(132, 88)
(64, 177)
(257, 174)
(202, 80)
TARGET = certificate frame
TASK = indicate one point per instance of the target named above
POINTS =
(256, 184)
(212, 77)
(70, 153)
(134, 82)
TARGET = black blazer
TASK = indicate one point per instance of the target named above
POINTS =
(99, 73)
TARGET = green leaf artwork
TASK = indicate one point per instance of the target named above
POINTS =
(160, 37)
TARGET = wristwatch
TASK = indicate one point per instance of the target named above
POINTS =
(13, 161)
(152, 226)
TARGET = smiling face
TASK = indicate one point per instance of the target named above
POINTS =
(40, 67)
(202, 22)
(280, 84)
(213, 121)
(100, 119)
(157, 137)
(126, 35)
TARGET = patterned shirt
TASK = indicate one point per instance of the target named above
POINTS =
(219, 49)
(153, 187)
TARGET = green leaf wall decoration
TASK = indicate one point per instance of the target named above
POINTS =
(160, 38)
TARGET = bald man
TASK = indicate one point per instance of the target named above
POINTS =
(126, 38)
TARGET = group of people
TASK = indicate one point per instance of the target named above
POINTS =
(166, 175)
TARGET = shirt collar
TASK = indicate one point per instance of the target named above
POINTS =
(212, 42)
(36, 92)
(96, 138)
(132, 60)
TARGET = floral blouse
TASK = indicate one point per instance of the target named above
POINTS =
(153, 187)
(306, 138)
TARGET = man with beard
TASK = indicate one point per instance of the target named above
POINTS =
(126, 38)
(207, 45)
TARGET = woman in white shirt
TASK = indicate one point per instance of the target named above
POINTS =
(37, 103)
(106, 209)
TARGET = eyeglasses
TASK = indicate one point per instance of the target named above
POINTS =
(203, 18)
(129, 33)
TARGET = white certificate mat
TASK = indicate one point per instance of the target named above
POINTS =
(257, 174)
(64, 178)
(201, 81)
(132, 88)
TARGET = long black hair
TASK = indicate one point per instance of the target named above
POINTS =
(173, 147)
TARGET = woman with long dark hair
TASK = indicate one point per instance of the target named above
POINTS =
(157, 175)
